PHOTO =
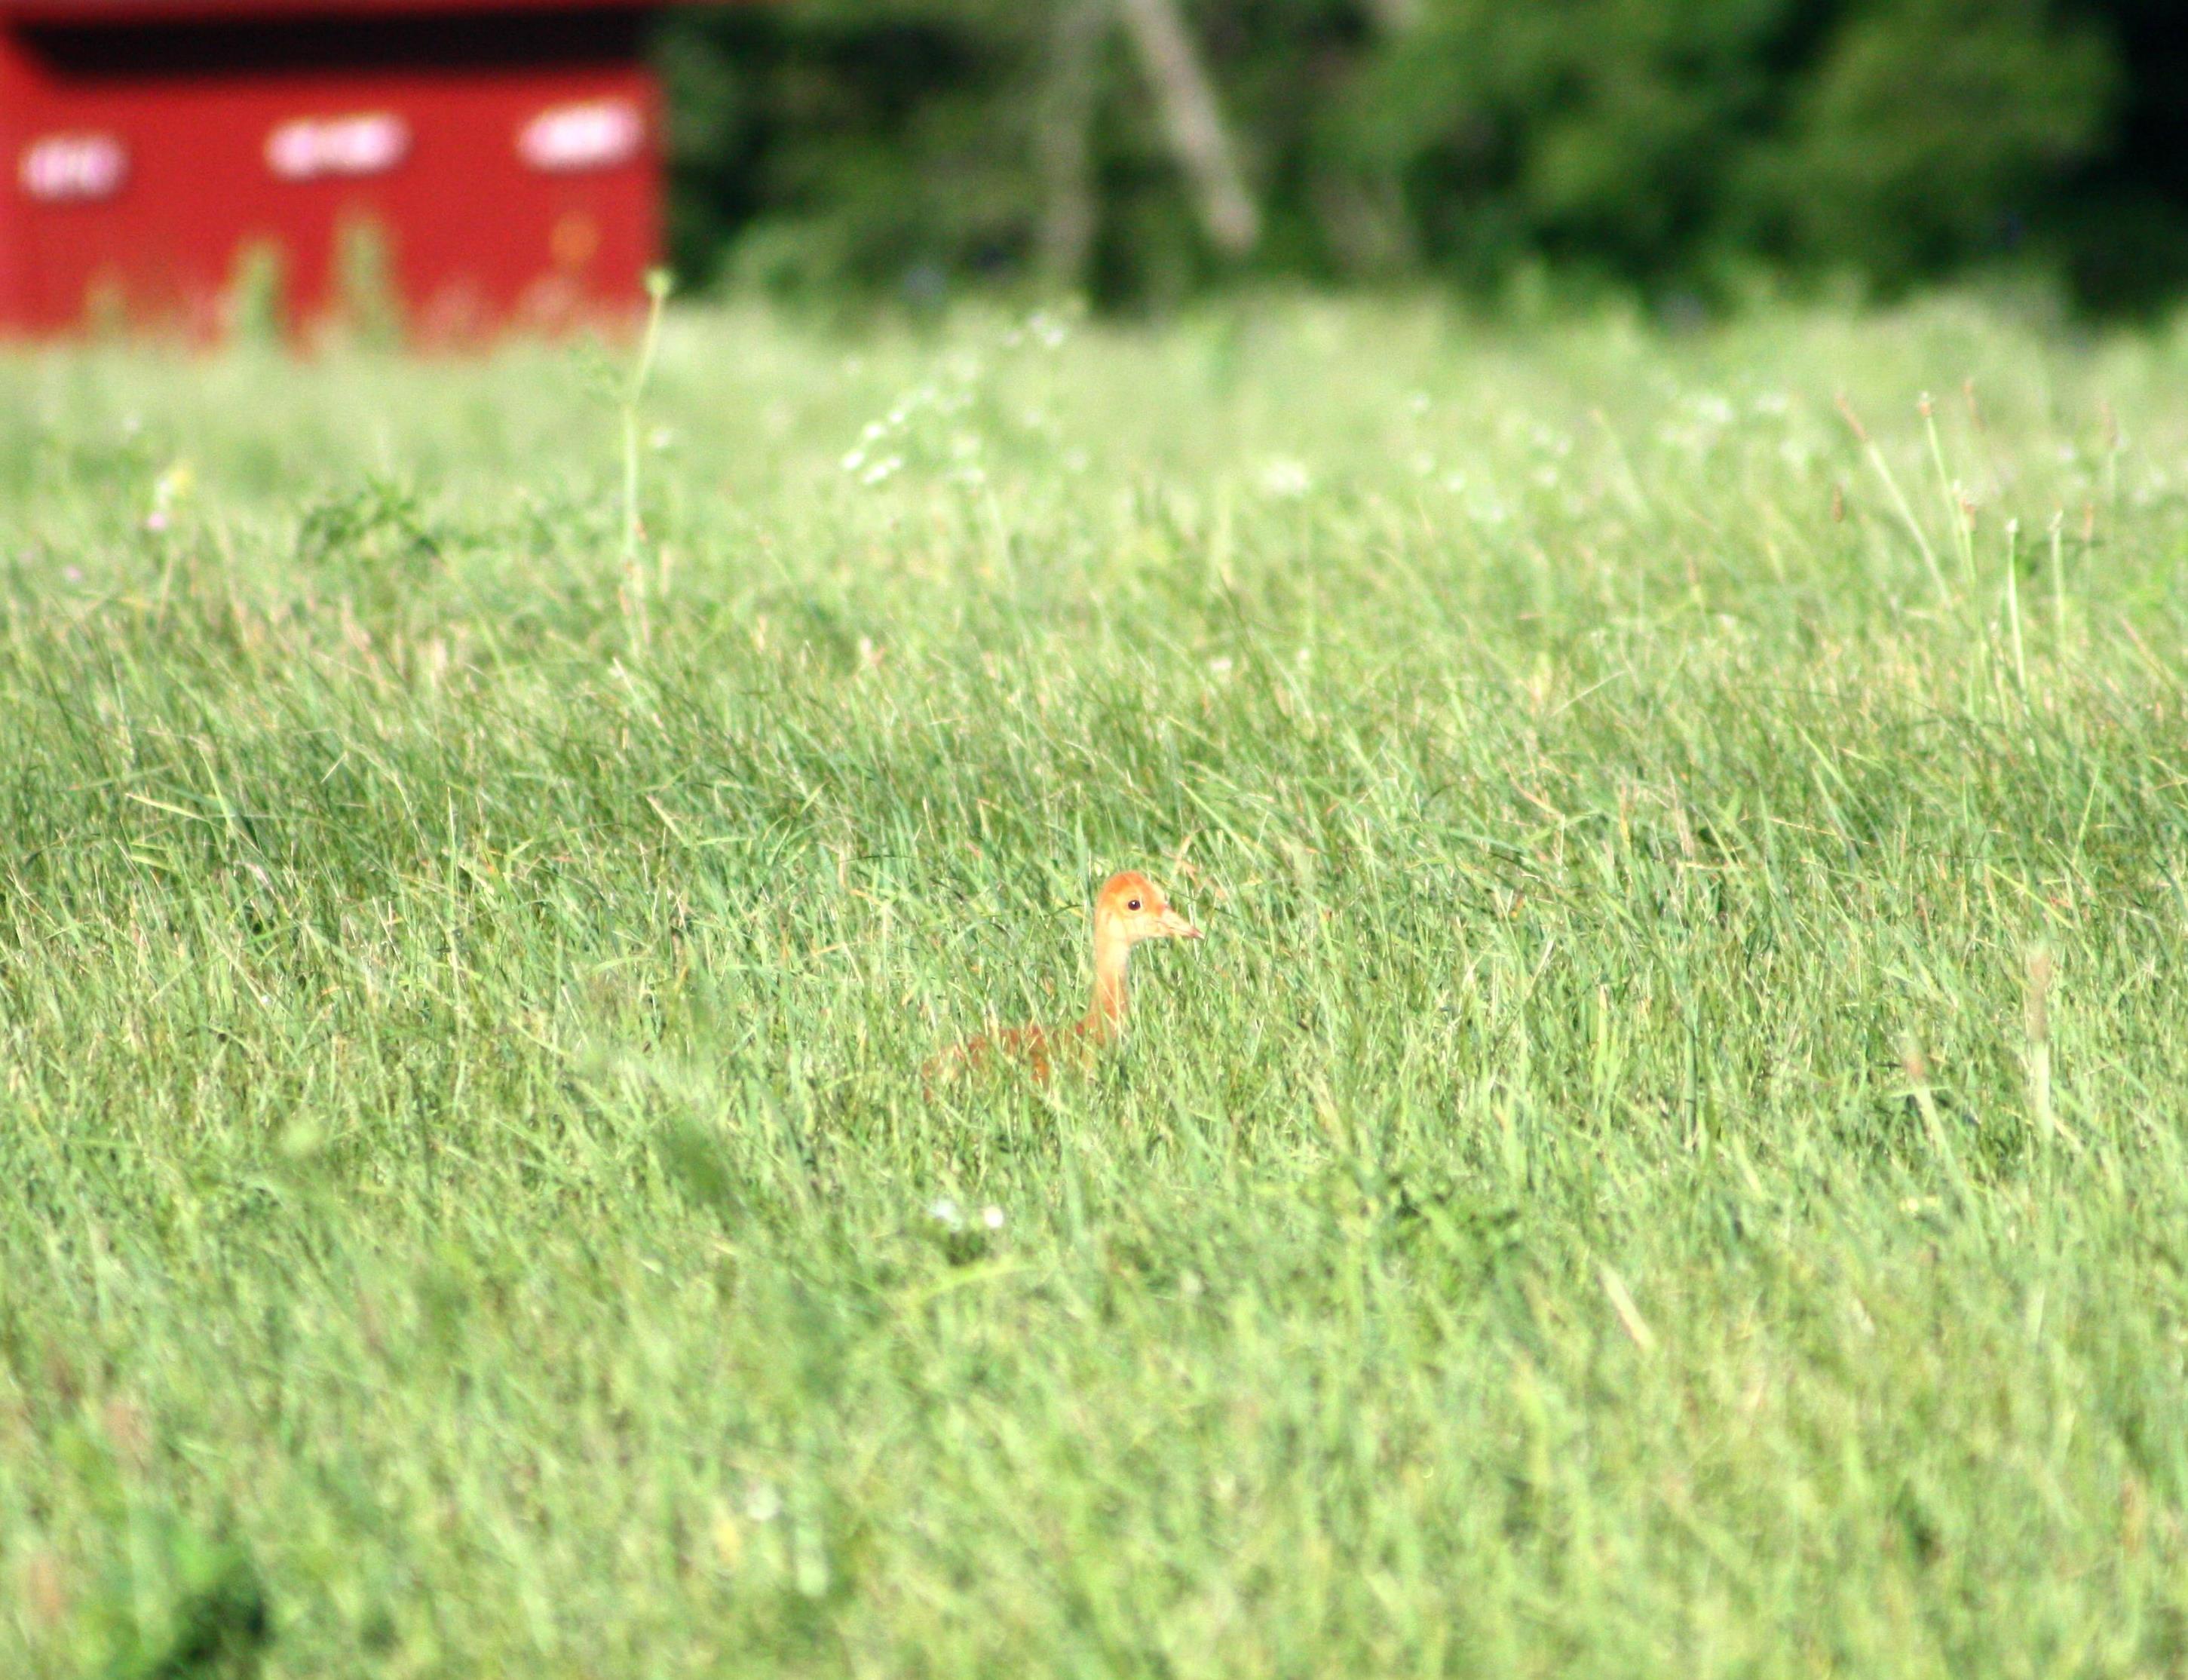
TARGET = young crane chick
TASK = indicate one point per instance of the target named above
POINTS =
(1129, 908)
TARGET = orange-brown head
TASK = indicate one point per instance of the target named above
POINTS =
(1133, 907)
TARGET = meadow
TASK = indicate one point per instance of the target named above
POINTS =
(1669, 1160)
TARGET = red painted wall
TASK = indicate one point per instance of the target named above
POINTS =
(507, 160)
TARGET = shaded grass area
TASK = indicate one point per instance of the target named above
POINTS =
(467, 1198)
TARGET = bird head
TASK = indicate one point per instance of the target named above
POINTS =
(1133, 906)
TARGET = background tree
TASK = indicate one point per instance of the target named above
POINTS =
(1138, 149)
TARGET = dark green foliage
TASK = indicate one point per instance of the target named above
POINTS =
(1930, 129)
(834, 143)
(1688, 147)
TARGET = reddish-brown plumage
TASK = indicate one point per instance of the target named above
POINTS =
(1129, 908)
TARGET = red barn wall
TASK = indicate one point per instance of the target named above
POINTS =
(284, 132)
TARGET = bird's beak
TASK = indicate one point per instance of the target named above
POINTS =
(1177, 926)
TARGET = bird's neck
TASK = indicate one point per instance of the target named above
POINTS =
(1112, 951)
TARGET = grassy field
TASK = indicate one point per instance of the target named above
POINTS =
(1671, 1159)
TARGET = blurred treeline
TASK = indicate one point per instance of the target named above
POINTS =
(1698, 150)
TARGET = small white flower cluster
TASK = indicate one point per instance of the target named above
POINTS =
(1286, 479)
(1483, 505)
(885, 445)
(169, 490)
(1043, 328)
(947, 1214)
(965, 452)
(1701, 420)
(874, 468)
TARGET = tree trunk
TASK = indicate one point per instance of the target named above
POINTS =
(1394, 16)
(1065, 141)
(1196, 128)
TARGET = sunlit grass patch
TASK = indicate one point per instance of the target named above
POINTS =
(1602, 1196)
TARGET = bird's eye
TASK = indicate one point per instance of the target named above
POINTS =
(1134, 905)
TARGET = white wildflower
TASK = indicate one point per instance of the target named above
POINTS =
(169, 490)
(1714, 409)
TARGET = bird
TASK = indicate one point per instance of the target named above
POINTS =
(1129, 908)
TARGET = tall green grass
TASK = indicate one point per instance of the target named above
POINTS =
(1670, 1159)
